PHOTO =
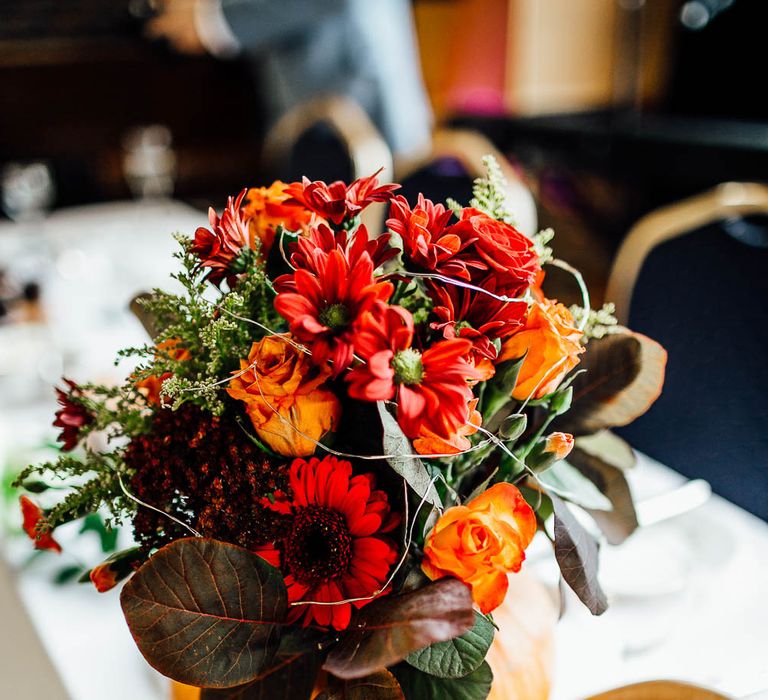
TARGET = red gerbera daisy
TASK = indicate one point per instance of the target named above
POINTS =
(335, 548)
(428, 242)
(339, 201)
(33, 516)
(478, 317)
(72, 416)
(431, 388)
(307, 250)
(227, 248)
(321, 308)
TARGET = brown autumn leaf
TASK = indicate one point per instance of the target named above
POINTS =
(625, 373)
(620, 522)
(576, 552)
(386, 631)
(206, 613)
(381, 685)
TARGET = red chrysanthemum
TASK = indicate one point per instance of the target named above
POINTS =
(72, 416)
(308, 253)
(428, 242)
(338, 201)
(322, 308)
(478, 317)
(335, 547)
(431, 388)
(227, 247)
(498, 253)
(33, 517)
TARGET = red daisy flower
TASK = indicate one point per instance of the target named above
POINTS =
(334, 548)
(339, 201)
(227, 247)
(428, 241)
(321, 309)
(308, 249)
(72, 416)
(478, 317)
(431, 388)
(35, 525)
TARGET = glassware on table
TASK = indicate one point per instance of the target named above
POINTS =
(149, 162)
(28, 190)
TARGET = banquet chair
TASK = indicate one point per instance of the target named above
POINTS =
(450, 167)
(328, 138)
(693, 276)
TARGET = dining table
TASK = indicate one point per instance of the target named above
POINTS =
(687, 591)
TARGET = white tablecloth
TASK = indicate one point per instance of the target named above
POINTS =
(688, 595)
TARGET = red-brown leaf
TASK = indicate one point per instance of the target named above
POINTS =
(205, 613)
(389, 629)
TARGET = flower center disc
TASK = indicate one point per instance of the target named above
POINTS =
(319, 548)
(408, 367)
(335, 316)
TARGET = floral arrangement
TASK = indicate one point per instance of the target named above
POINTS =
(338, 446)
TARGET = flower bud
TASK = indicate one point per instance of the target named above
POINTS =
(549, 450)
(513, 426)
(561, 401)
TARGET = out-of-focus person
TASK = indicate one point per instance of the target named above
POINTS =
(300, 49)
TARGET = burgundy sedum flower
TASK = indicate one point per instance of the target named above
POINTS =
(72, 416)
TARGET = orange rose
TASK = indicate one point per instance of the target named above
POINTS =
(282, 388)
(151, 386)
(267, 210)
(481, 542)
(551, 340)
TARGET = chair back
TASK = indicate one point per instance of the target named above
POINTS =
(693, 276)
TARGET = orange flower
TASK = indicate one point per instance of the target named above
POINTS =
(35, 525)
(559, 444)
(151, 386)
(551, 340)
(284, 393)
(481, 542)
(266, 210)
(104, 577)
(429, 443)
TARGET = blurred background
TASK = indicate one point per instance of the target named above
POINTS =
(617, 123)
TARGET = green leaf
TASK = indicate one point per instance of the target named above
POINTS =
(206, 613)
(107, 536)
(569, 483)
(67, 574)
(412, 469)
(381, 685)
(576, 552)
(386, 631)
(422, 686)
(457, 657)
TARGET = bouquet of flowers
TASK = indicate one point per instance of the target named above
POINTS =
(339, 445)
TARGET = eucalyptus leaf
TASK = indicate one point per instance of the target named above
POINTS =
(457, 657)
(401, 459)
(576, 552)
(569, 483)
